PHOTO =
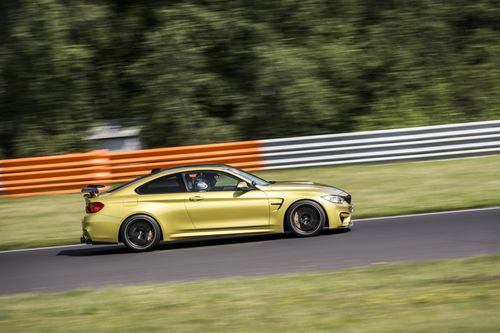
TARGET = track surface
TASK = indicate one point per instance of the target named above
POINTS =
(371, 241)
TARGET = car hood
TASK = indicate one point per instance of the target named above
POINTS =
(305, 186)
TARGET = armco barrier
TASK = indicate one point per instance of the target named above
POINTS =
(430, 142)
(69, 173)
(53, 174)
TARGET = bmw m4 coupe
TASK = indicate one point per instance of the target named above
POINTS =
(205, 201)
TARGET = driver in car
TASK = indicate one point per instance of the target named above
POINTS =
(205, 182)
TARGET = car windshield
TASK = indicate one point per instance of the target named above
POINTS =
(249, 176)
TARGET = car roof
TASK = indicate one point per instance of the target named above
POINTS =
(158, 174)
(196, 166)
(188, 167)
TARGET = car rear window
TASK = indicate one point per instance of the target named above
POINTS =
(125, 185)
(166, 184)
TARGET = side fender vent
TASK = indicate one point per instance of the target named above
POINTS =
(276, 203)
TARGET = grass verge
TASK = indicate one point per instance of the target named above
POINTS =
(377, 190)
(441, 296)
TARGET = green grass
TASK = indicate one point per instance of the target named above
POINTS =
(442, 296)
(41, 220)
(377, 190)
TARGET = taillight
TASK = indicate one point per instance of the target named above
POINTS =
(94, 207)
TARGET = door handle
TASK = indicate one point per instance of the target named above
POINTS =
(196, 198)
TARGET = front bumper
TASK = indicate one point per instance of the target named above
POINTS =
(339, 215)
(346, 217)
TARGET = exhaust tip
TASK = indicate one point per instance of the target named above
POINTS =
(85, 240)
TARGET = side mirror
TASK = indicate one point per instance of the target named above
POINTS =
(243, 186)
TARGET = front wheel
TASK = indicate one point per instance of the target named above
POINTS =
(140, 233)
(306, 218)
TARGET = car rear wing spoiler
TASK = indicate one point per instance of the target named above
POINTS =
(91, 190)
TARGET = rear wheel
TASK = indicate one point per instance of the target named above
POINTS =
(140, 233)
(306, 218)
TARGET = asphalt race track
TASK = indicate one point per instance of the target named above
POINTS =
(371, 241)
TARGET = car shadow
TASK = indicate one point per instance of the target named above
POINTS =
(101, 250)
(335, 231)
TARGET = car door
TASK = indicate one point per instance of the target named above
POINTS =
(164, 199)
(214, 203)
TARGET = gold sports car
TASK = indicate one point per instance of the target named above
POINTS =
(205, 201)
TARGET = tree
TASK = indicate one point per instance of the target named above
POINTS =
(193, 72)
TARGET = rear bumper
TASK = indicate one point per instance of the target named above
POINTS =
(85, 238)
(100, 228)
(85, 241)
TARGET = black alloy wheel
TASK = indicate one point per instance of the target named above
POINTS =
(140, 233)
(306, 218)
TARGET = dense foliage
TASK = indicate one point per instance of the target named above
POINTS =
(205, 71)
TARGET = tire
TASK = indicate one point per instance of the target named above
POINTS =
(140, 233)
(306, 218)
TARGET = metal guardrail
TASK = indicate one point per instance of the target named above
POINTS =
(69, 173)
(429, 142)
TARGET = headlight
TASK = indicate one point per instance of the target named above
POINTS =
(335, 199)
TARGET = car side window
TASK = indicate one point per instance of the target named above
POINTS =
(166, 184)
(226, 182)
(210, 181)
